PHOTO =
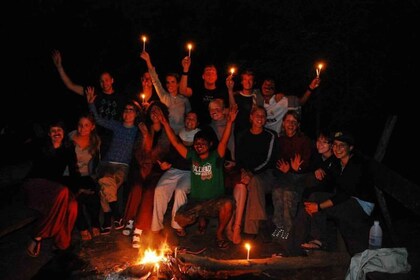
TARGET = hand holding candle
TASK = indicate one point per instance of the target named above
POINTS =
(248, 248)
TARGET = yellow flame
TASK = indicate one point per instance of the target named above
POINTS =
(248, 246)
(144, 38)
(232, 70)
(320, 66)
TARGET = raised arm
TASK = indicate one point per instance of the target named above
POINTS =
(183, 83)
(221, 148)
(230, 84)
(56, 57)
(312, 86)
(182, 150)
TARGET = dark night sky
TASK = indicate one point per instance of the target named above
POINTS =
(369, 48)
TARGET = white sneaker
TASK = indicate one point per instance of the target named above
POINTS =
(136, 241)
(128, 228)
(136, 238)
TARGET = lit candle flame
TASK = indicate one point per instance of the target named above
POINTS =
(232, 70)
(248, 248)
(143, 97)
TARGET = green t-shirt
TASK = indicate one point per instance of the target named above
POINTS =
(207, 180)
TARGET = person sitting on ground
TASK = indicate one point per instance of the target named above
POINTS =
(45, 189)
(145, 172)
(87, 146)
(354, 199)
(176, 181)
(256, 154)
(207, 197)
(114, 166)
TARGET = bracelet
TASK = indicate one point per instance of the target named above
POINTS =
(319, 207)
(185, 73)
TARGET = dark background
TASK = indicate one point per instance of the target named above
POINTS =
(369, 48)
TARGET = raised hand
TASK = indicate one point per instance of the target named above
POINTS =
(56, 57)
(90, 94)
(164, 165)
(296, 162)
(283, 166)
(233, 112)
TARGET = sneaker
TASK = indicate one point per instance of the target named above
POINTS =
(278, 232)
(128, 228)
(105, 230)
(118, 224)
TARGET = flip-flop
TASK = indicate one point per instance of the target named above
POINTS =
(34, 252)
(312, 245)
(181, 232)
(222, 244)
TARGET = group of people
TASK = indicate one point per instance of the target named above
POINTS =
(215, 151)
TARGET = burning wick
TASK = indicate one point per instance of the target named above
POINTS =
(143, 96)
(318, 70)
(189, 50)
(144, 42)
(248, 248)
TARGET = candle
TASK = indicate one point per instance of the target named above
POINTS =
(189, 50)
(232, 70)
(318, 70)
(144, 42)
(176, 251)
(248, 248)
(143, 96)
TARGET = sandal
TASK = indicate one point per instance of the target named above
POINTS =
(222, 244)
(181, 232)
(312, 245)
(34, 248)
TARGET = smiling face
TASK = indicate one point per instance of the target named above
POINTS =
(341, 149)
(216, 110)
(106, 81)
(191, 121)
(201, 146)
(290, 125)
(258, 118)
(172, 85)
(323, 145)
(85, 126)
(56, 134)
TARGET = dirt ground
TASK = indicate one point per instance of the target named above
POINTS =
(112, 257)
